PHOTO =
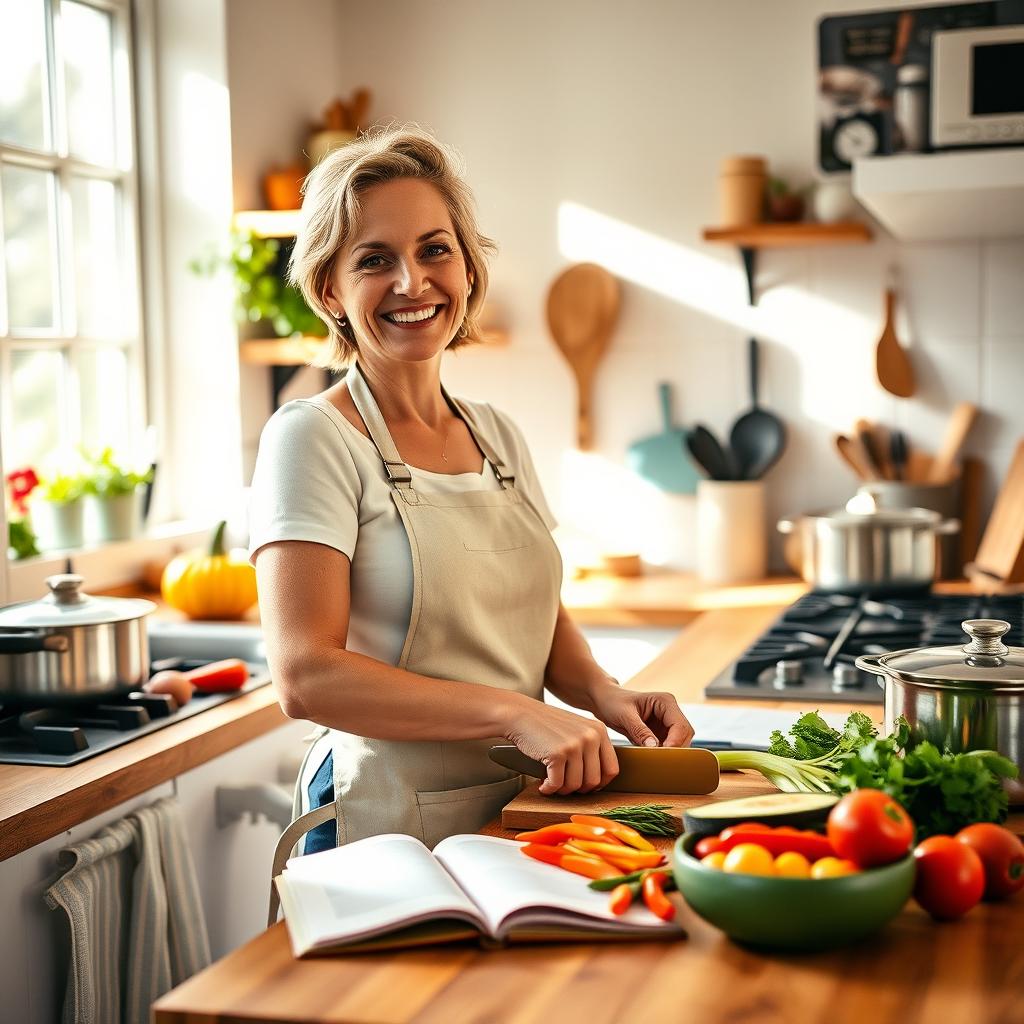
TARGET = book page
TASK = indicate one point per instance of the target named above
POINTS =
(368, 888)
(512, 890)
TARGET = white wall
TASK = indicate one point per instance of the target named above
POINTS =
(593, 129)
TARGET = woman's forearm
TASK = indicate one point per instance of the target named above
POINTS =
(572, 675)
(357, 694)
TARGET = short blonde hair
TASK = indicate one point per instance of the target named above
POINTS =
(331, 210)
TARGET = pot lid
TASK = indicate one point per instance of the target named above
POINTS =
(66, 605)
(986, 661)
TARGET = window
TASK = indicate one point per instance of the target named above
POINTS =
(71, 353)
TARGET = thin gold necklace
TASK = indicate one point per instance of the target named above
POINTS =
(444, 449)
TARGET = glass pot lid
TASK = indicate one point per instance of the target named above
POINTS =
(984, 661)
(66, 605)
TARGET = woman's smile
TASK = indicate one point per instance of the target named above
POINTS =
(411, 318)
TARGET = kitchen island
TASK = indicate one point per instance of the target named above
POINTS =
(915, 970)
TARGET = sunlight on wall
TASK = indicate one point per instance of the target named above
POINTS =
(204, 130)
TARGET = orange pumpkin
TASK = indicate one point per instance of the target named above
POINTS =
(213, 584)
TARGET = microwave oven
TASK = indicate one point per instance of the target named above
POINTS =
(978, 87)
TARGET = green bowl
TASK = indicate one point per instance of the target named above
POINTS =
(792, 913)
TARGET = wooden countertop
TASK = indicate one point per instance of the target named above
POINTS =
(914, 971)
(38, 803)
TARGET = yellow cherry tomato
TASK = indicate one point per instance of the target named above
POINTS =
(714, 860)
(832, 867)
(792, 865)
(748, 859)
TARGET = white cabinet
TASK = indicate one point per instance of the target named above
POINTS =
(232, 864)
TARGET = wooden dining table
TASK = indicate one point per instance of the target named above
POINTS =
(913, 971)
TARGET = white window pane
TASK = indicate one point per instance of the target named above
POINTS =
(22, 58)
(36, 408)
(28, 248)
(87, 47)
(103, 382)
(98, 267)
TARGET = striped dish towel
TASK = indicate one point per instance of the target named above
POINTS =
(136, 920)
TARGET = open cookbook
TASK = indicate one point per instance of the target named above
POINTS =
(390, 891)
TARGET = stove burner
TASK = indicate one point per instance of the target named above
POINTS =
(820, 636)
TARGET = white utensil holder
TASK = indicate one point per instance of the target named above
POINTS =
(732, 543)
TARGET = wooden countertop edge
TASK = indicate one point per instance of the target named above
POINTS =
(37, 803)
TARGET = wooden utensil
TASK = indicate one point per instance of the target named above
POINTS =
(918, 466)
(892, 364)
(582, 307)
(854, 455)
(1000, 556)
(531, 809)
(972, 484)
(875, 438)
(960, 422)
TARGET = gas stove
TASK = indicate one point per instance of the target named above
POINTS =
(60, 736)
(808, 654)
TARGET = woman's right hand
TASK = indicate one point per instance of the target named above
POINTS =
(576, 751)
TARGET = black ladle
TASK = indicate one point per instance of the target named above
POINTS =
(709, 454)
(758, 437)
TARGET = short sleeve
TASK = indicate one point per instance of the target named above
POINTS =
(525, 470)
(305, 485)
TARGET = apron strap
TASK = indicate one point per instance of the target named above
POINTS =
(395, 467)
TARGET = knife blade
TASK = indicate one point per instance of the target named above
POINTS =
(676, 770)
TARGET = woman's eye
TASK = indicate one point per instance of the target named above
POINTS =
(441, 249)
(369, 264)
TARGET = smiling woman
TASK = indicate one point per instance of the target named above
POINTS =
(408, 581)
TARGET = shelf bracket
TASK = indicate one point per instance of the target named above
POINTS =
(749, 256)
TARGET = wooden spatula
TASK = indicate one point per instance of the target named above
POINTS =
(960, 422)
(892, 364)
(855, 456)
(582, 307)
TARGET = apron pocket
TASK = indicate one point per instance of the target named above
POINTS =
(451, 812)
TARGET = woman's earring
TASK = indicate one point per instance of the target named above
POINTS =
(463, 331)
(342, 322)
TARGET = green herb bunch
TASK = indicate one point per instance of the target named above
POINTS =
(108, 479)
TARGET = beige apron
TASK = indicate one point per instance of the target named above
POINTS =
(486, 582)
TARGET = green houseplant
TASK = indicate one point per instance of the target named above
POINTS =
(257, 267)
(113, 496)
(57, 509)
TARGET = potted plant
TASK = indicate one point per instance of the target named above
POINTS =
(785, 204)
(21, 541)
(56, 509)
(114, 497)
(261, 292)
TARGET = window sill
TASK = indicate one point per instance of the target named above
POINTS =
(105, 565)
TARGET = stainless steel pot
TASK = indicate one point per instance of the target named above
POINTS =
(70, 646)
(968, 697)
(869, 552)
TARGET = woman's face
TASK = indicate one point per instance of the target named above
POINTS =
(401, 279)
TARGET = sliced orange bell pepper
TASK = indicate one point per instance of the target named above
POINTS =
(570, 860)
(620, 856)
(551, 835)
(624, 833)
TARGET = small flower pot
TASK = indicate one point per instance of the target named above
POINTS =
(58, 525)
(114, 518)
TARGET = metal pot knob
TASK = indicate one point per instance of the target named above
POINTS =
(66, 589)
(986, 636)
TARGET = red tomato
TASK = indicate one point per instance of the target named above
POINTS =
(950, 877)
(1002, 856)
(868, 827)
(709, 844)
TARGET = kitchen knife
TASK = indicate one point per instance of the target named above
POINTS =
(676, 770)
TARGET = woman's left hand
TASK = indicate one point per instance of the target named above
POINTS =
(647, 719)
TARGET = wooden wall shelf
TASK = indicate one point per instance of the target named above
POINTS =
(280, 351)
(784, 236)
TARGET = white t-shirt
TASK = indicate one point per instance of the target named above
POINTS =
(319, 479)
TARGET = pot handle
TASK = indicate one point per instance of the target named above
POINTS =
(32, 641)
(785, 526)
(948, 526)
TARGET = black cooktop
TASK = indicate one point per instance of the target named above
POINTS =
(60, 736)
(809, 652)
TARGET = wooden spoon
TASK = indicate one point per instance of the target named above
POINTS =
(892, 364)
(960, 422)
(582, 307)
(853, 454)
(875, 439)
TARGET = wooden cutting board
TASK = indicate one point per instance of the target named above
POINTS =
(1000, 556)
(531, 809)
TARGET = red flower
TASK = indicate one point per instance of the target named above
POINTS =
(21, 483)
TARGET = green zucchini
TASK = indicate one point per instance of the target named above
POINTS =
(798, 810)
